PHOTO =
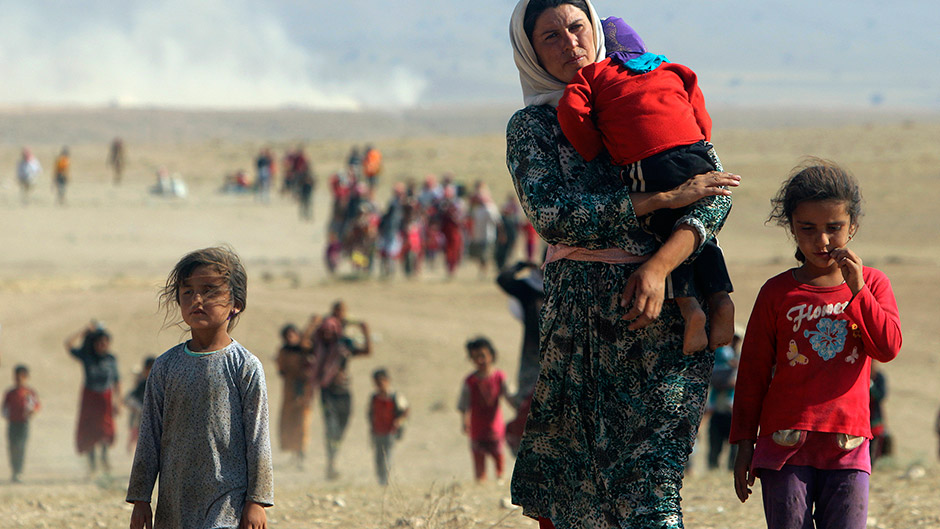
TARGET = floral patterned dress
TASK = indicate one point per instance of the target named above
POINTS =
(615, 412)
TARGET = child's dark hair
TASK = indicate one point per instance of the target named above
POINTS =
(290, 327)
(92, 337)
(480, 342)
(20, 369)
(225, 261)
(816, 180)
(148, 362)
(379, 374)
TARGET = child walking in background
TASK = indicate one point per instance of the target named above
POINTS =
(650, 116)
(481, 416)
(100, 393)
(332, 350)
(204, 427)
(388, 409)
(134, 402)
(63, 164)
(936, 428)
(19, 405)
(801, 415)
(721, 402)
(293, 365)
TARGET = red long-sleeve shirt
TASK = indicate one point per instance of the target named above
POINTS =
(633, 115)
(806, 357)
(20, 403)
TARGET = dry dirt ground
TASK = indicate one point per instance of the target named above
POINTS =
(105, 254)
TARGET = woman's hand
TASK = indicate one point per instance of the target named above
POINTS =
(700, 186)
(253, 516)
(743, 473)
(851, 266)
(142, 517)
(646, 288)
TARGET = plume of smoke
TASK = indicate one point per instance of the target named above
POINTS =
(212, 53)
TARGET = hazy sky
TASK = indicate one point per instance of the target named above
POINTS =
(347, 54)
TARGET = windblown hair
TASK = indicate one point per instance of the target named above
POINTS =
(223, 260)
(816, 180)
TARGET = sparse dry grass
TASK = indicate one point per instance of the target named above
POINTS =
(106, 254)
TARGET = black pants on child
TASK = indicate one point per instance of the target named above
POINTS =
(719, 428)
(17, 433)
(665, 171)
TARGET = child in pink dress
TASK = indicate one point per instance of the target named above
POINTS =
(479, 407)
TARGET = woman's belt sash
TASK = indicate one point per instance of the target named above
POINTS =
(557, 252)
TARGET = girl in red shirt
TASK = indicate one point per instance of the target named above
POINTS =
(801, 402)
(479, 407)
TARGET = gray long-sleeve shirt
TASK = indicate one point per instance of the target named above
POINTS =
(204, 430)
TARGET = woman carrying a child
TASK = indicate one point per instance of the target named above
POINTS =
(617, 404)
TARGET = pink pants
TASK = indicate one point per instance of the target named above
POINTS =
(480, 449)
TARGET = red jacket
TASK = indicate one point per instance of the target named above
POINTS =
(633, 115)
(19, 404)
(806, 357)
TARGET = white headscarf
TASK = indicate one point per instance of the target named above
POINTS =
(538, 86)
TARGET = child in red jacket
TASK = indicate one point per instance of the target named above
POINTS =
(19, 405)
(650, 116)
(801, 401)
(388, 409)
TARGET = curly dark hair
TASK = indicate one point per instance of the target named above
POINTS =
(815, 180)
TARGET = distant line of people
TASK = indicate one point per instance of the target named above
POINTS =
(441, 220)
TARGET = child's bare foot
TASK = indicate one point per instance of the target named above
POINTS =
(721, 320)
(694, 339)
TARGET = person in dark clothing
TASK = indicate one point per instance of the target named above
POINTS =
(529, 292)
(881, 443)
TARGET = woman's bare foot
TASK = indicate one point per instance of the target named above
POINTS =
(721, 320)
(695, 338)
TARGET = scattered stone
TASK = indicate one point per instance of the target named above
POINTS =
(412, 522)
(339, 502)
(915, 472)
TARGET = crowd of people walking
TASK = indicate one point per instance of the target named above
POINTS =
(442, 222)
